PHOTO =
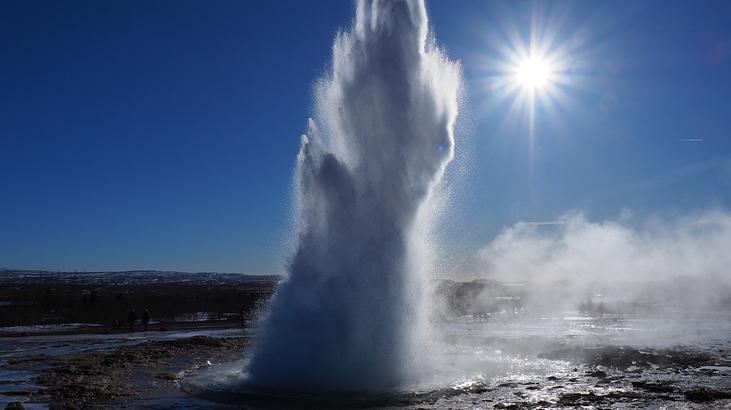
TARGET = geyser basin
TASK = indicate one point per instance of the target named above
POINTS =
(347, 328)
(533, 362)
(349, 316)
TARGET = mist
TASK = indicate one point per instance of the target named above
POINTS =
(656, 265)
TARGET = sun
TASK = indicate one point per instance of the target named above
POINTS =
(533, 73)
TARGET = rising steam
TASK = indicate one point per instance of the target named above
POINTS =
(349, 313)
(682, 264)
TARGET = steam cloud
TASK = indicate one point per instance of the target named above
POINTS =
(349, 314)
(687, 258)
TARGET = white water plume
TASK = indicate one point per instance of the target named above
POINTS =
(350, 316)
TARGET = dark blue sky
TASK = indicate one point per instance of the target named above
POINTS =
(163, 134)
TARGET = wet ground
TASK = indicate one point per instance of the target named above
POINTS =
(118, 370)
(550, 362)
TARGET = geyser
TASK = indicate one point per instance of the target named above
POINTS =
(349, 316)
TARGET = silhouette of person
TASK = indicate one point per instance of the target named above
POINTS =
(132, 318)
(601, 309)
(145, 318)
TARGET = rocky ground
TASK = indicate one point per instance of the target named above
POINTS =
(126, 375)
(624, 376)
(148, 375)
(607, 377)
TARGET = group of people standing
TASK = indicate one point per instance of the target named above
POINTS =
(132, 319)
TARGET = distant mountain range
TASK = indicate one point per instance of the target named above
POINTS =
(8, 276)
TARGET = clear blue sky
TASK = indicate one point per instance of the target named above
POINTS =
(162, 134)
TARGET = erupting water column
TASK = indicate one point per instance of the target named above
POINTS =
(349, 315)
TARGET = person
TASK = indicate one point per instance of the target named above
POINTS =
(145, 318)
(132, 318)
(582, 307)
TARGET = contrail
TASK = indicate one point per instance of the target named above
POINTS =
(544, 223)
